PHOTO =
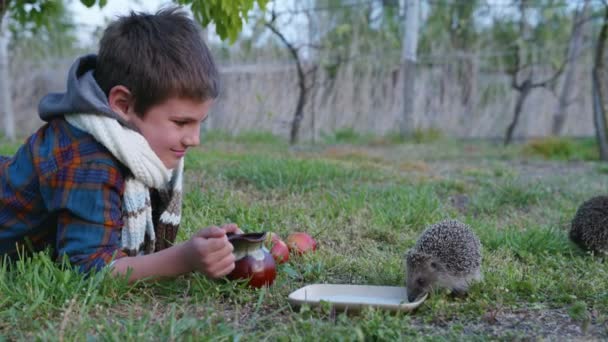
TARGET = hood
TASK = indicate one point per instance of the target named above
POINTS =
(83, 95)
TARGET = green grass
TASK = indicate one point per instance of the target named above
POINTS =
(7, 149)
(350, 136)
(347, 136)
(563, 148)
(366, 203)
(250, 137)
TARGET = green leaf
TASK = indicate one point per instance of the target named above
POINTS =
(88, 3)
(228, 16)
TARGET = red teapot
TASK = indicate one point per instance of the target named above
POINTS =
(253, 261)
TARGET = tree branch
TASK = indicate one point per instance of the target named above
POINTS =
(551, 79)
(292, 49)
(515, 71)
(3, 8)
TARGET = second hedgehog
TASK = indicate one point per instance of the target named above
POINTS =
(447, 255)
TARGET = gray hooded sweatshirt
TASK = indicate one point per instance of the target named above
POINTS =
(83, 95)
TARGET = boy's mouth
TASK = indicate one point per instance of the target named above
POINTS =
(179, 153)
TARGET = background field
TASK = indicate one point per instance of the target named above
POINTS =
(366, 200)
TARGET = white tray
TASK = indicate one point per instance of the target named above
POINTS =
(355, 297)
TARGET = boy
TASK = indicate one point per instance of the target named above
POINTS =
(101, 181)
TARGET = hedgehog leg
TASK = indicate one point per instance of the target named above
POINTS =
(459, 293)
(460, 288)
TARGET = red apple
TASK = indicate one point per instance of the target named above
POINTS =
(280, 251)
(301, 243)
(278, 248)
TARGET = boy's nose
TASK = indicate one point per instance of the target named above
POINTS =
(192, 139)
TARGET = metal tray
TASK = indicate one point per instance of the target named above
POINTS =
(355, 297)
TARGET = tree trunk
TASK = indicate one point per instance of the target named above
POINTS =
(599, 111)
(311, 37)
(408, 64)
(471, 73)
(408, 75)
(299, 112)
(599, 119)
(574, 49)
(208, 124)
(525, 90)
(5, 83)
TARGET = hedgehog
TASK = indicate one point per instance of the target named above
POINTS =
(447, 255)
(589, 228)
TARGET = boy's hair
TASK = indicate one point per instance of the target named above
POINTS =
(156, 56)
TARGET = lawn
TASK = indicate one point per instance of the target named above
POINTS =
(365, 200)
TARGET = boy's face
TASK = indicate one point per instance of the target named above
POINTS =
(170, 127)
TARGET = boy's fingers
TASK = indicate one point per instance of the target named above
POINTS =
(214, 246)
(211, 232)
(226, 263)
(226, 270)
(232, 228)
(222, 265)
(222, 252)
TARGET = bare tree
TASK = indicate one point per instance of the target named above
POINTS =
(408, 65)
(303, 87)
(599, 77)
(522, 74)
(574, 50)
(524, 88)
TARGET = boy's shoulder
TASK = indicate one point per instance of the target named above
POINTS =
(58, 145)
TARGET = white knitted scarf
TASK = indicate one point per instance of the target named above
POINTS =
(139, 233)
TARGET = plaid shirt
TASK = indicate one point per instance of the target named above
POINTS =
(63, 190)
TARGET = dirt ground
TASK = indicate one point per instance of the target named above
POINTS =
(526, 324)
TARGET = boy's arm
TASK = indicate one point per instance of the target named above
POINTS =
(169, 262)
(208, 252)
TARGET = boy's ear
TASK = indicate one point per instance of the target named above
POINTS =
(121, 101)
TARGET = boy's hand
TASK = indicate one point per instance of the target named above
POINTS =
(232, 228)
(209, 251)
